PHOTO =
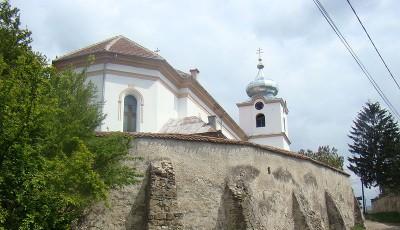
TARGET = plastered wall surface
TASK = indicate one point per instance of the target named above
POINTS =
(390, 203)
(226, 186)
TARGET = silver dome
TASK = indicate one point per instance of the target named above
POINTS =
(261, 86)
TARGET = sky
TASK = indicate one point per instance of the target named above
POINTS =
(322, 84)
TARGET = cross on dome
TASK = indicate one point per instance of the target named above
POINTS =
(259, 52)
(260, 65)
(261, 86)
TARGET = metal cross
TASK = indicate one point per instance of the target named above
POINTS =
(259, 52)
(157, 50)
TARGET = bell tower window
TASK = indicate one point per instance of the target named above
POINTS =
(260, 120)
(259, 105)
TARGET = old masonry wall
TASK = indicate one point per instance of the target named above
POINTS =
(193, 183)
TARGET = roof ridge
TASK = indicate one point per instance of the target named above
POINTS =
(110, 44)
(137, 44)
(86, 47)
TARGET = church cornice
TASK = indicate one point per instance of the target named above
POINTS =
(281, 134)
(266, 101)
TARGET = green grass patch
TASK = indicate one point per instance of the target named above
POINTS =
(358, 227)
(385, 217)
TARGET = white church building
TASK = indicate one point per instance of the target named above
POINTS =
(141, 92)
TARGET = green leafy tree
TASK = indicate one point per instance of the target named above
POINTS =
(52, 166)
(325, 154)
(375, 147)
(110, 151)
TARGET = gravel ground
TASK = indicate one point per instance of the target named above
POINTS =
(380, 226)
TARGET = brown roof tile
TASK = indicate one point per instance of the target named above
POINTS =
(202, 138)
(118, 44)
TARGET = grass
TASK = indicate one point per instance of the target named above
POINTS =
(385, 217)
(358, 227)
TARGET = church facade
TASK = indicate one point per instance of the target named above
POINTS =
(141, 92)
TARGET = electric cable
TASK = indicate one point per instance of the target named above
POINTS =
(373, 44)
(355, 57)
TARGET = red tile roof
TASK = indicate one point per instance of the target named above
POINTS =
(118, 45)
(202, 138)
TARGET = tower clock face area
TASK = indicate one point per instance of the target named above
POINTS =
(259, 105)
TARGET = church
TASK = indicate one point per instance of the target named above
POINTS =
(141, 92)
(201, 169)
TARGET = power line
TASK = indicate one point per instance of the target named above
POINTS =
(355, 57)
(372, 42)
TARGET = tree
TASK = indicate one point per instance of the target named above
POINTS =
(51, 165)
(326, 155)
(375, 147)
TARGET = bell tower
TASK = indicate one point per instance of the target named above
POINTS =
(264, 116)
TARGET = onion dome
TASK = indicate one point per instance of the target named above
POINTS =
(261, 86)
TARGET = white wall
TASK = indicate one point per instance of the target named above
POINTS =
(97, 81)
(167, 105)
(156, 103)
(285, 126)
(273, 113)
(160, 98)
(194, 109)
(274, 123)
(276, 141)
(119, 86)
(246, 120)
(182, 107)
(193, 106)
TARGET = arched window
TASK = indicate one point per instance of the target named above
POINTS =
(260, 120)
(130, 116)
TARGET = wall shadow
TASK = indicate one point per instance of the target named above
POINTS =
(137, 217)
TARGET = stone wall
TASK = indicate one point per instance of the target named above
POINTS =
(390, 203)
(161, 204)
(198, 184)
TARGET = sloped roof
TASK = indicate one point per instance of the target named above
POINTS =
(186, 125)
(118, 44)
(182, 73)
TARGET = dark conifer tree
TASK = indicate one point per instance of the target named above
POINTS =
(375, 137)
